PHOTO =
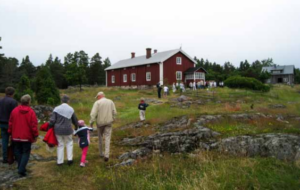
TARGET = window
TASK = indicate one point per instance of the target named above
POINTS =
(148, 65)
(178, 75)
(148, 76)
(113, 79)
(277, 71)
(124, 78)
(178, 60)
(133, 77)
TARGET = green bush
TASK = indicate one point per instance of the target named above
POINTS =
(247, 83)
(23, 88)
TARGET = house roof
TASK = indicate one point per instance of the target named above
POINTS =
(194, 69)
(286, 69)
(142, 60)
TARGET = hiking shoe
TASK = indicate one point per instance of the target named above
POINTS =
(82, 164)
(59, 164)
(106, 159)
(70, 162)
(22, 174)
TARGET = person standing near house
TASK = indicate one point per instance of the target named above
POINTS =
(23, 127)
(166, 89)
(174, 88)
(103, 113)
(194, 85)
(7, 104)
(142, 107)
(159, 91)
(62, 118)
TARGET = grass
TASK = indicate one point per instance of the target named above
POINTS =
(202, 170)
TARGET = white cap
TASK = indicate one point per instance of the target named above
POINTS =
(99, 93)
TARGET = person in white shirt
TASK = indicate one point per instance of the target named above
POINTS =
(174, 88)
(194, 85)
(166, 89)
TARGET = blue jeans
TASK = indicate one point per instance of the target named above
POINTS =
(5, 138)
(22, 154)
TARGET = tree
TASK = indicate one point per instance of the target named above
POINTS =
(57, 71)
(77, 69)
(23, 88)
(106, 65)
(27, 68)
(46, 91)
(96, 70)
(9, 73)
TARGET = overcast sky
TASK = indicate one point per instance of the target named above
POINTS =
(218, 30)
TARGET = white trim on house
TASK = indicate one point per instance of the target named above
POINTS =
(148, 74)
(177, 74)
(178, 61)
(133, 74)
(161, 72)
(106, 79)
(113, 79)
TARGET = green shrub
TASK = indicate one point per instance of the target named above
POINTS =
(247, 83)
(23, 88)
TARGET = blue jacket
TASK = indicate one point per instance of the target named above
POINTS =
(7, 104)
(84, 136)
(143, 106)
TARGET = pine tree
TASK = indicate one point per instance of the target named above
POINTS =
(46, 91)
(95, 73)
(27, 68)
(76, 71)
(23, 88)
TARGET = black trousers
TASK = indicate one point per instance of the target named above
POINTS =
(22, 153)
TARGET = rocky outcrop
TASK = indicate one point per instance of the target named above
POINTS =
(182, 141)
(42, 112)
(280, 146)
(188, 137)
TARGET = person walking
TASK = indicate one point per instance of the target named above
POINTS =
(174, 88)
(7, 104)
(83, 140)
(103, 113)
(166, 89)
(23, 126)
(142, 107)
(62, 118)
(159, 88)
(194, 86)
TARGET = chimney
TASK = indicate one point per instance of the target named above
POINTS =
(148, 53)
(132, 55)
(155, 51)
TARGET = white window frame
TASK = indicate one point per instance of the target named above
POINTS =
(178, 60)
(133, 79)
(177, 72)
(113, 79)
(148, 76)
(124, 77)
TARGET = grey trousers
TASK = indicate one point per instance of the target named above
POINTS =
(104, 131)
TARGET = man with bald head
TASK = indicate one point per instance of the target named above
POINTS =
(103, 113)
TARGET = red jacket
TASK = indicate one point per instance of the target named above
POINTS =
(23, 124)
(50, 137)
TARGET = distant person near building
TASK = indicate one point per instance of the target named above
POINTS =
(166, 89)
(7, 104)
(142, 107)
(104, 114)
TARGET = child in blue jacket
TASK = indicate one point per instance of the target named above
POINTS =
(83, 140)
(142, 107)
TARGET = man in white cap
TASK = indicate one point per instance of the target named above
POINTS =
(103, 113)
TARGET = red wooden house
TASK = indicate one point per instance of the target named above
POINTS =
(169, 67)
